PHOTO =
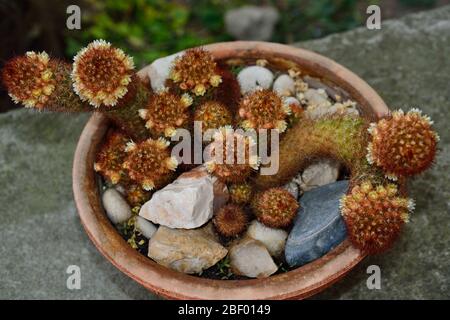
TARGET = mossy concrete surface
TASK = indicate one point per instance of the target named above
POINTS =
(407, 62)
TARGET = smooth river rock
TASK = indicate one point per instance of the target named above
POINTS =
(188, 251)
(273, 239)
(250, 258)
(145, 227)
(188, 202)
(284, 85)
(253, 78)
(116, 207)
(318, 227)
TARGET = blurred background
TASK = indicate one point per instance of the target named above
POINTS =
(148, 29)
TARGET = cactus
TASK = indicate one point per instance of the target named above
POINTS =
(229, 91)
(39, 82)
(111, 156)
(232, 166)
(374, 215)
(403, 145)
(240, 193)
(275, 207)
(101, 74)
(165, 112)
(213, 115)
(230, 220)
(104, 77)
(263, 109)
(149, 163)
(195, 71)
(43, 83)
(136, 196)
(340, 138)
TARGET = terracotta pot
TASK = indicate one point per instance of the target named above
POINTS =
(299, 283)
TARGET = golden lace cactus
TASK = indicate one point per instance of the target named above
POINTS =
(165, 112)
(149, 163)
(110, 158)
(101, 73)
(263, 109)
(374, 215)
(213, 115)
(195, 71)
(403, 145)
(233, 155)
(275, 207)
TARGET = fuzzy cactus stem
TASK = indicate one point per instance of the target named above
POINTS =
(42, 83)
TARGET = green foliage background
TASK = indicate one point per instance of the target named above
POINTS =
(148, 29)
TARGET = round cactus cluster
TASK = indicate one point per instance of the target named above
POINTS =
(275, 207)
(230, 221)
(165, 113)
(195, 71)
(149, 163)
(101, 73)
(111, 156)
(240, 193)
(263, 109)
(233, 156)
(213, 115)
(30, 79)
(403, 145)
(374, 215)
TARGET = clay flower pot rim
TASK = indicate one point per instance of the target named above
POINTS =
(299, 283)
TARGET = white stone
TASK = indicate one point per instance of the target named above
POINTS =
(318, 174)
(145, 227)
(117, 209)
(188, 251)
(188, 202)
(250, 258)
(273, 239)
(253, 78)
(292, 187)
(317, 97)
(284, 85)
(319, 106)
(158, 72)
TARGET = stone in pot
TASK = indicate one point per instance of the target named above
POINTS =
(273, 239)
(188, 202)
(253, 78)
(187, 251)
(318, 174)
(145, 227)
(250, 258)
(117, 209)
(284, 85)
(318, 227)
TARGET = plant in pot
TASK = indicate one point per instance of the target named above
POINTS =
(165, 194)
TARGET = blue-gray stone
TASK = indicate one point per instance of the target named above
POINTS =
(318, 227)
